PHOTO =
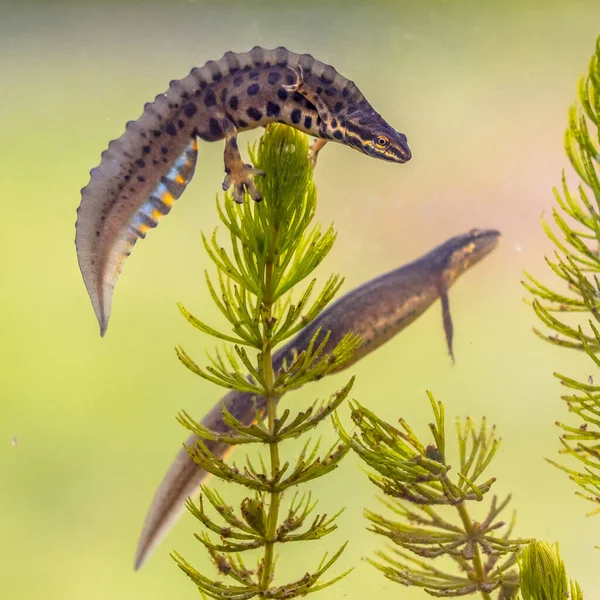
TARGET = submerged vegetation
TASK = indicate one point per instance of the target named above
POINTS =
(572, 311)
(431, 506)
(274, 247)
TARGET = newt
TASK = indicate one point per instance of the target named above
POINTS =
(143, 172)
(377, 311)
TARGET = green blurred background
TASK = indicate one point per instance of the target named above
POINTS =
(87, 425)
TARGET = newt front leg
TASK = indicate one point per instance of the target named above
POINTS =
(238, 174)
(446, 316)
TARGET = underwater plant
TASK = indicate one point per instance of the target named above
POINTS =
(543, 575)
(274, 247)
(576, 263)
(431, 504)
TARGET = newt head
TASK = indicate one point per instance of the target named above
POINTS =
(369, 133)
(468, 249)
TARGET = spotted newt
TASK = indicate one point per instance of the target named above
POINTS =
(377, 311)
(143, 172)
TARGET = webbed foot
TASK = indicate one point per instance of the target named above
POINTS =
(240, 178)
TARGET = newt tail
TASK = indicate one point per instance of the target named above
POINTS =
(143, 172)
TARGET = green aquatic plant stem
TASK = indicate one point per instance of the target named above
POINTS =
(271, 400)
(470, 533)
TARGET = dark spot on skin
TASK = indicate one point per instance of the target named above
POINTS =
(318, 121)
(345, 93)
(338, 106)
(253, 75)
(140, 179)
(319, 89)
(215, 128)
(273, 109)
(334, 122)
(165, 159)
(233, 103)
(154, 162)
(198, 93)
(156, 132)
(254, 114)
(330, 91)
(298, 97)
(127, 177)
(170, 129)
(296, 116)
(140, 163)
(282, 94)
(189, 110)
(210, 98)
(164, 150)
(338, 135)
(253, 89)
(247, 68)
(180, 124)
(184, 95)
(217, 76)
(146, 149)
(223, 94)
(274, 77)
(290, 79)
(326, 80)
(238, 81)
(307, 122)
(233, 143)
(310, 105)
(242, 123)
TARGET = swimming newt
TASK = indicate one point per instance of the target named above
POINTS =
(377, 311)
(143, 172)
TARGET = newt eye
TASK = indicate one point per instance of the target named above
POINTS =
(381, 141)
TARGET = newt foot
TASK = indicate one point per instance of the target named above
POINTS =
(242, 182)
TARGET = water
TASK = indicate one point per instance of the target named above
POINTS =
(481, 92)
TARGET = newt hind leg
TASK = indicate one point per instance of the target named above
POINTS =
(314, 149)
(238, 174)
(300, 86)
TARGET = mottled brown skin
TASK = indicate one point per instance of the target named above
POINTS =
(146, 170)
(377, 311)
(279, 86)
